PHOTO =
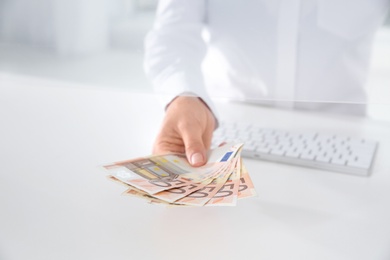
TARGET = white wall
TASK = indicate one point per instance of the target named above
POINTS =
(27, 21)
(67, 26)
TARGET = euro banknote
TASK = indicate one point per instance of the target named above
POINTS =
(171, 181)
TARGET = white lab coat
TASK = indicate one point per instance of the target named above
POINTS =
(314, 51)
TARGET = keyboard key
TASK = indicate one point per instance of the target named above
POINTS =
(292, 154)
(250, 147)
(308, 155)
(263, 150)
(358, 164)
(338, 161)
(277, 151)
(323, 157)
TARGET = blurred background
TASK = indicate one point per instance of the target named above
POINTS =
(100, 43)
(94, 42)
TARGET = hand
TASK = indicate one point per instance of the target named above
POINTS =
(187, 128)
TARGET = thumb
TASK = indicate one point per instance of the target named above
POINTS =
(195, 148)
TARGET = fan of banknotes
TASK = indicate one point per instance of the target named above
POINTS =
(170, 180)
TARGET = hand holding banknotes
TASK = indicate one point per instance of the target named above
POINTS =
(171, 181)
(187, 128)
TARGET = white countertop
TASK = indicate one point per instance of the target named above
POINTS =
(55, 202)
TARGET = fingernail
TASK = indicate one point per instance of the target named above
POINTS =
(196, 158)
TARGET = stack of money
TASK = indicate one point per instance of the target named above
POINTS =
(170, 180)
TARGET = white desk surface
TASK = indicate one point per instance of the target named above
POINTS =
(56, 203)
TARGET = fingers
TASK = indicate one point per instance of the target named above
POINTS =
(222, 144)
(188, 127)
(195, 148)
(208, 135)
(191, 140)
(166, 147)
(168, 141)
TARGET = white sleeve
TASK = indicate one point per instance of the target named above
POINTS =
(174, 50)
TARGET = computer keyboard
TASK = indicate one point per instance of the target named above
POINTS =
(316, 150)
